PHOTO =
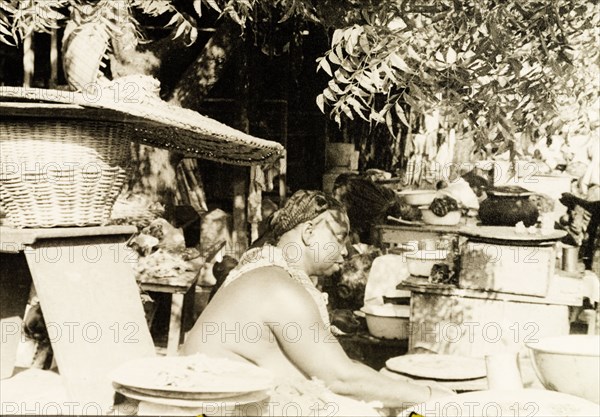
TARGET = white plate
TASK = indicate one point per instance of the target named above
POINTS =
(444, 367)
(192, 374)
(191, 396)
(522, 403)
(225, 403)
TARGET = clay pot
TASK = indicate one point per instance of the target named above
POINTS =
(507, 206)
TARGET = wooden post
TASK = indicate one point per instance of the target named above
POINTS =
(241, 175)
(28, 60)
(53, 82)
(282, 178)
(240, 233)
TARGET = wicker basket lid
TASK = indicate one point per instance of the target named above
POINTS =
(154, 121)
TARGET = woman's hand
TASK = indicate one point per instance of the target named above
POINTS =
(439, 391)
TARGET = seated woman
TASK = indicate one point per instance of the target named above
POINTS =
(269, 312)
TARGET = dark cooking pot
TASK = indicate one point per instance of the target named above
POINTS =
(507, 206)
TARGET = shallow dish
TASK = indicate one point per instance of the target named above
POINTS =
(388, 321)
(418, 197)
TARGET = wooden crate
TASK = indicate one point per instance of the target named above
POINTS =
(525, 270)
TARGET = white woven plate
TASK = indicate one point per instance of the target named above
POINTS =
(192, 374)
(447, 367)
(228, 402)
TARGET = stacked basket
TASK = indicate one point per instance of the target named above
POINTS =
(61, 172)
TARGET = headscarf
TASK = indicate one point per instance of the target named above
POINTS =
(302, 206)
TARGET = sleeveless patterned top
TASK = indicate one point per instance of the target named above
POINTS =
(272, 256)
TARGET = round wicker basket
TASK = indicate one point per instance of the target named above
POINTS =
(61, 172)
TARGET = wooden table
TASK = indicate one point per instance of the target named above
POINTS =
(178, 287)
(90, 300)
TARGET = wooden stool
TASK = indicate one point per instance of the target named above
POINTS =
(178, 287)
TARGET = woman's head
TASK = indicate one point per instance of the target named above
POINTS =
(303, 206)
(317, 225)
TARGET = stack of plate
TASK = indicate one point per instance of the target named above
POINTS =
(455, 372)
(192, 381)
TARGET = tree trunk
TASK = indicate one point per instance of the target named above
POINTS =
(155, 175)
(206, 70)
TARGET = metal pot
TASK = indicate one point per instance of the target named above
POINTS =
(507, 206)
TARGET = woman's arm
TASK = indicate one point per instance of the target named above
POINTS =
(317, 353)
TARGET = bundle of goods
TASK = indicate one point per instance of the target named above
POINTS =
(135, 209)
(161, 251)
(443, 210)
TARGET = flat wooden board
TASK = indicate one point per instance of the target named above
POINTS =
(13, 240)
(93, 311)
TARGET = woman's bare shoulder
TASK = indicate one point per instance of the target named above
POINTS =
(268, 283)
(272, 278)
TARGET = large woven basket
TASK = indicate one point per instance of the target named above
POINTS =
(56, 172)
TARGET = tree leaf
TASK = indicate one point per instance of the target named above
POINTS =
(347, 111)
(451, 56)
(389, 123)
(321, 103)
(180, 30)
(399, 63)
(353, 39)
(337, 119)
(325, 65)
(174, 19)
(363, 42)
(329, 95)
(339, 77)
(364, 82)
(358, 108)
(198, 7)
(334, 58)
(413, 54)
(376, 117)
(338, 35)
(400, 113)
(335, 88)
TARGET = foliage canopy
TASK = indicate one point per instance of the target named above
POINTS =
(498, 69)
